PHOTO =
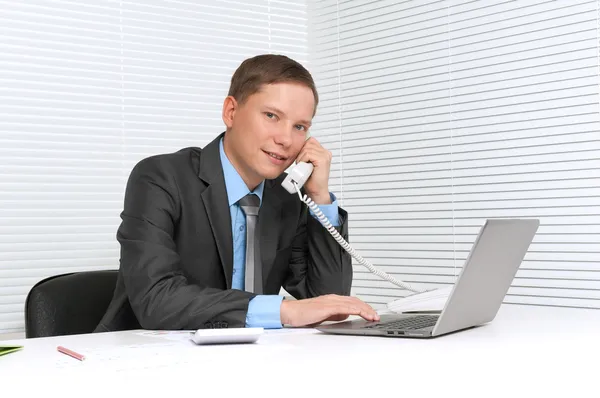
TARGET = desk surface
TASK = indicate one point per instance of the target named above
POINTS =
(549, 351)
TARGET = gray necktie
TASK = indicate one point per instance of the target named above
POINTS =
(253, 280)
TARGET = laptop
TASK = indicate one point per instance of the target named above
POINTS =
(476, 296)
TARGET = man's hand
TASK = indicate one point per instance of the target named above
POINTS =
(317, 186)
(309, 312)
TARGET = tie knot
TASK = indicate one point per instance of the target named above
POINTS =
(250, 204)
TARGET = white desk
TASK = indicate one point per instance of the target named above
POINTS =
(543, 349)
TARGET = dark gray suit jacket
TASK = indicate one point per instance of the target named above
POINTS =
(177, 252)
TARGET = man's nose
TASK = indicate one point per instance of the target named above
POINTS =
(282, 136)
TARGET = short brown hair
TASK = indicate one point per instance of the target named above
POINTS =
(268, 69)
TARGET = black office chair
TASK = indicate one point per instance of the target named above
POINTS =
(70, 303)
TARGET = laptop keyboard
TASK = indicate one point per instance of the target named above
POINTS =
(412, 323)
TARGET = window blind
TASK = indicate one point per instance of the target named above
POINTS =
(442, 114)
(90, 88)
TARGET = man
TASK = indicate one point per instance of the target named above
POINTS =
(185, 259)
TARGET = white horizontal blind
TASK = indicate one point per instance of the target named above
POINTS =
(442, 114)
(87, 89)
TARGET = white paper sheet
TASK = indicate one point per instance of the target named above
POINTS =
(169, 335)
(129, 357)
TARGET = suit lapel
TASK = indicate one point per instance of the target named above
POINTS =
(269, 224)
(215, 202)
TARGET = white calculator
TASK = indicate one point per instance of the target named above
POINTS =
(227, 336)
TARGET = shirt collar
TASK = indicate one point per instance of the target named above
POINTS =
(234, 184)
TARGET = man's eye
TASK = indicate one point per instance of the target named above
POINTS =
(300, 127)
(270, 115)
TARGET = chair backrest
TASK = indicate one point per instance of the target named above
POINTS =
(70, 303)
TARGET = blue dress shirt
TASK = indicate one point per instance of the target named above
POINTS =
(263, 310)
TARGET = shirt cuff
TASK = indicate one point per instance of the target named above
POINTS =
(330, 211)
(264, 311)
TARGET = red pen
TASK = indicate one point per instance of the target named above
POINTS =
(70, 353)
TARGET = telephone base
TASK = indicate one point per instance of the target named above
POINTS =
(431, 301)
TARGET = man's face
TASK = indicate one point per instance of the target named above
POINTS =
(266, 133)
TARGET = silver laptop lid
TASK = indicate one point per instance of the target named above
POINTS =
(487, 274)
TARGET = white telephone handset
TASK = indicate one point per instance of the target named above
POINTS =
(295, 179)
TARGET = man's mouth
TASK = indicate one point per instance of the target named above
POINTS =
(275, 155)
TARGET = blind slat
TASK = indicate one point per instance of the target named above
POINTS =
(442, 115)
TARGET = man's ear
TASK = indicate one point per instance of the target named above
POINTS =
(229, 107)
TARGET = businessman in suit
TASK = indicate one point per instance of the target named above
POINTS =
(183, 236)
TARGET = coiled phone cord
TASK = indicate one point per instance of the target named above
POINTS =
(325, 222)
